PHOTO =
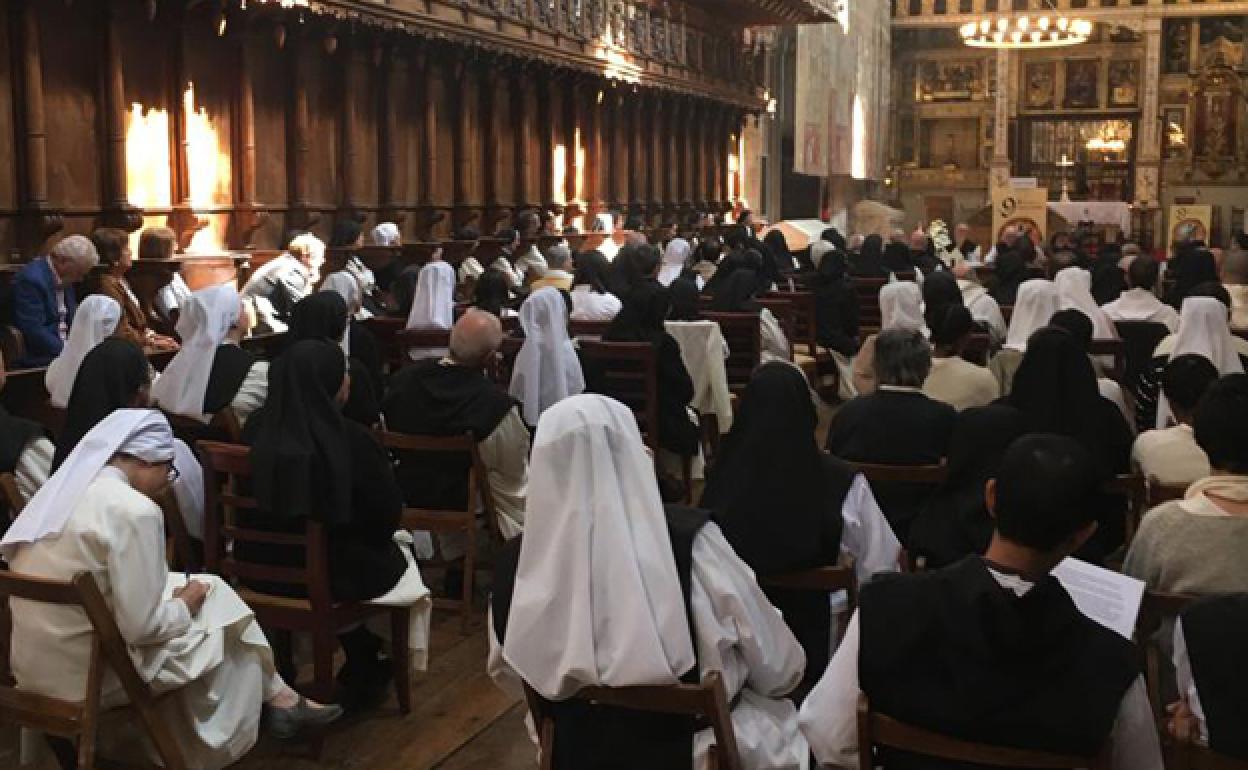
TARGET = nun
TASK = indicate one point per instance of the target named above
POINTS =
(212, 372)
(116, 375)
(97, 319)
(739, 294)
(675, 255)
(639, 595)
(1074, 289)
(433, 306)
(901, 307)
(547, 368)
(310, 463)
(785, 506)
(1035, 306)
(192, 639)
(26, 452)
(591, 300)
(323, 316)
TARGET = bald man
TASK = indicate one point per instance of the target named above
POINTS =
(1235, 279)
(451, 397)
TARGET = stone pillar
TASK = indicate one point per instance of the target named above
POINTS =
(1000, 168)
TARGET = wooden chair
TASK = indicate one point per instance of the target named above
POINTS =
(500, 368)
(707, 702)
(386, 331)
(1193, 756)
(805, 326)
(12, 345)
(588, 330)
(437, 521)
(782, 309)
(1139, 339)
(877, 730)
(79, 720)
(224, 426)
(933, 475)
(408, 340)
(825, 580)
(745, 346)
(1159, 493)
(320, 615)
(11, 495)
(867, 290)
(1134, 488)
(978, 348)
(1156, 609)
(1118, 350)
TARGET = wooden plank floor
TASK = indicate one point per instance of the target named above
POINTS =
(459, 720)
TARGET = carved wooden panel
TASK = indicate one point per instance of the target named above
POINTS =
(70, 75)
(8, 145)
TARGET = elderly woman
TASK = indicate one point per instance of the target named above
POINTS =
(282, 282)
(113, 246)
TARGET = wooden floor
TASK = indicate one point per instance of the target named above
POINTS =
(459, 720)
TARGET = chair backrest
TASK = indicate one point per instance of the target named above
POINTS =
(588, 330)
(745, 345)
(226, 468)
(877, 730)
(1156, 610)
(12, 496)
(1116, 349)
(1139, 339)
(1193, 756)
(629, 374)
(867, 290)
(933, 475)
(12, 345)
(224, 426)
(464, 447)
(1158, 493)
(803, 309)
(386, 331)
(825, 580)
(707, 701)
(782, 309)
(1134, 488)
(415, 339)
(79, 719)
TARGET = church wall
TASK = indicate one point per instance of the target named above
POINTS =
(294, 119)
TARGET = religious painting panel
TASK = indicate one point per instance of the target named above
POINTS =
(956, 81)
(1082, 83)
(325, 100)
(1229, 28)
(1124, 83)
(1175, 133)
(1177, 56)
(71, 58)
(1040, 85)
(8, 149)
(1216, 124)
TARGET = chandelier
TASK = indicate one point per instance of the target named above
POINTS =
(1026, 32)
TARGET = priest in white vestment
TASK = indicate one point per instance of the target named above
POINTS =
(197, 640)
(597, 601)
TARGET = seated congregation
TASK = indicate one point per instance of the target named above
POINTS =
(734, 505)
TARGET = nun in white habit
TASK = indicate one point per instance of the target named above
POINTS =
(96, 320)
(597, 569)
(1074, 289)
(547, 369)
(674, 258)
(1204, 330)
(433, 306)
(205, 325)
(196, 640)
(348, 287)
(1034, 307)
(387, 234)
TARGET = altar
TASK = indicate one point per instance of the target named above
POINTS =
(1098, 212)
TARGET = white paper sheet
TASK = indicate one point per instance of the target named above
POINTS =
(1110, 598)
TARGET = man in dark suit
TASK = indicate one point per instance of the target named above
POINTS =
(44, 298)
(897, 424)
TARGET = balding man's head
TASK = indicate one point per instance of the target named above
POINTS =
(897, 236)
(475, 338)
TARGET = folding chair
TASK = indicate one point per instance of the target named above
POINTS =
(440, 521)
(79, 720)
(319, 614)
(706, 701)
(876, 730)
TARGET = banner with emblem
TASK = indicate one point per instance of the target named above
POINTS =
(1025, 208)
(1190, 223)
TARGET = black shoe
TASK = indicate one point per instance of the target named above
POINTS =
(284, 724)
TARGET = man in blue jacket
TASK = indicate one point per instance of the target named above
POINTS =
(44, 298)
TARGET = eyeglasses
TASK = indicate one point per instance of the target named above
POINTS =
(172, 474)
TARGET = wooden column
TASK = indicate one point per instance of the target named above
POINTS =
(247, 217)
(711, 145)
(674, 157)
(351, 205)
(466, 142)
(656, 135)
(430, 94)
(532, 170)
(182, 217)
(719, 130)
(697, 149)
(393, 67)
(619, 150)
(551, 135)
(575, 112)
(493, 104)
(116, 210)
(301, 216)
(595, 160)
(39, 220)
(637, 151)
